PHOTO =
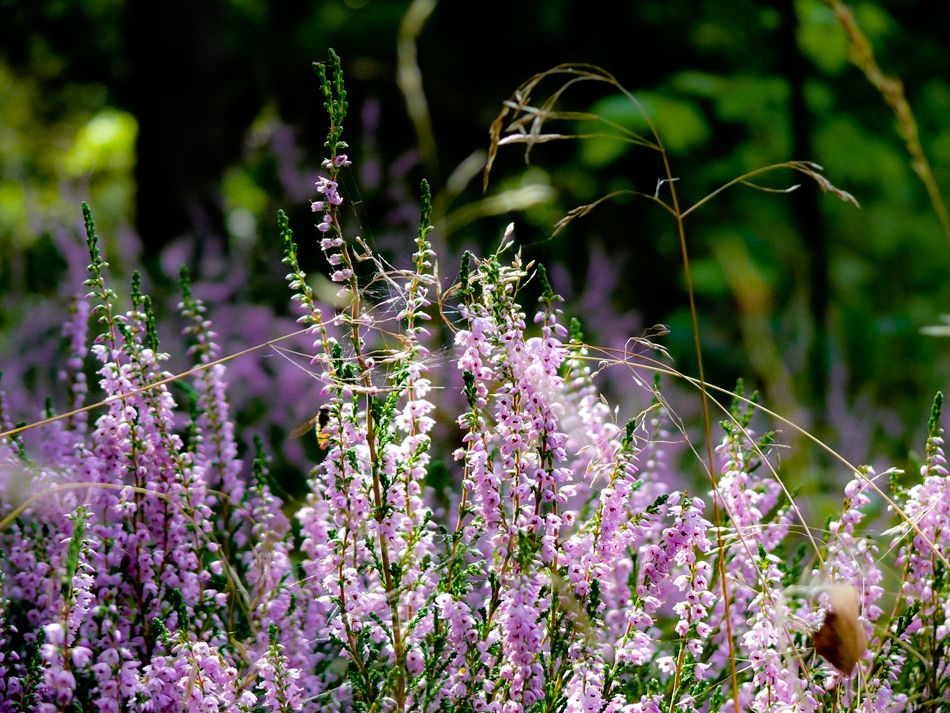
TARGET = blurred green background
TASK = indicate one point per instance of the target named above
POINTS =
(186, 125)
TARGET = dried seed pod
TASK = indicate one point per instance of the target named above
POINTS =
(841, 638)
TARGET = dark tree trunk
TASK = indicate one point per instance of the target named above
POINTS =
(805, 206)
(181, 90)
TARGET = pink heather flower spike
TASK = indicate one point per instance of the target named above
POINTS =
(559, 562)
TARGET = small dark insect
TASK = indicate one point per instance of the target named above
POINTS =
(318, 423)
(841, 638)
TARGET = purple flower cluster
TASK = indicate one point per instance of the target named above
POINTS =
(144, 568)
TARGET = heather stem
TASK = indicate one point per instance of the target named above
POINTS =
(707, 427)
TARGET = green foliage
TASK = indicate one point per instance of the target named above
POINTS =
(684, 126)
(75, 545)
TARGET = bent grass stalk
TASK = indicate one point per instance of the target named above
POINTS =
(891, 90)
(526, 127)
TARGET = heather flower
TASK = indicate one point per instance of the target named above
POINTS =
(522, 643)
(927, 506)
(278, 681)
(571, 570)
(216, 452)
(923, 545)
(194, 677)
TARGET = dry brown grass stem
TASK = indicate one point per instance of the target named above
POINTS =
(891, 90)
